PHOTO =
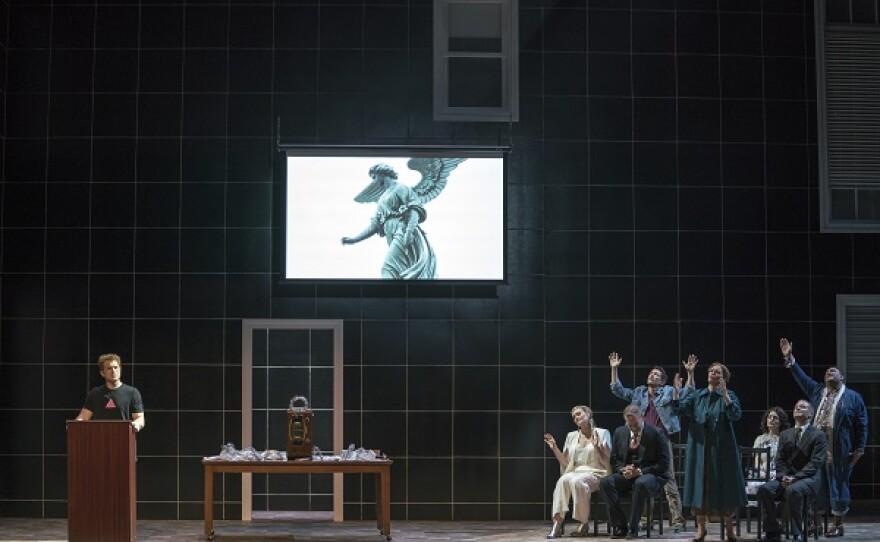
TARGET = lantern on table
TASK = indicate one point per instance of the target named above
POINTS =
(299, 428)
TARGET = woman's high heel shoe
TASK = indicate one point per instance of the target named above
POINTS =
(700, 538)
(581, 531)
(557, 530)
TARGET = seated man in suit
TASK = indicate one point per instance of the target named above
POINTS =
(799, 462)
(639, 463)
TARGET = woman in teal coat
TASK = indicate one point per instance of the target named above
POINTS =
(713, 477)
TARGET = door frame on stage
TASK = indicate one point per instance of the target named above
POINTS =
(248, 326)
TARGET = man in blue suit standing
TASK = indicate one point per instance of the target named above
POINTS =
(841, 413)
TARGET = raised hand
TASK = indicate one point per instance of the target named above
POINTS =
(614, 359)
(677, 382)
(785, 347)
(551, 442)
(722, 388)
(691, 363)
(599, 444)
(856, 455)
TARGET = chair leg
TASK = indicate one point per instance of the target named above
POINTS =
(760, 522)
(661, 514)
(748, 518)
(738, 529)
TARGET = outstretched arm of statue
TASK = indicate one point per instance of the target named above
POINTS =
(369, 231)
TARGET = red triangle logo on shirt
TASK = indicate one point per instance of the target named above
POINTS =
(110, 404)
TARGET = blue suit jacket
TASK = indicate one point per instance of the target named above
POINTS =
(850, 418)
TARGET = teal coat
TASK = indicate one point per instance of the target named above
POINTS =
(711, 439)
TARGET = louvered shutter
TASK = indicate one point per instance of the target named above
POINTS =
(858, 341)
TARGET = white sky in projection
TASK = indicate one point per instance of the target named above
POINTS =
(465, 223)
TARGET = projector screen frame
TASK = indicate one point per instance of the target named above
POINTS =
(377, 153)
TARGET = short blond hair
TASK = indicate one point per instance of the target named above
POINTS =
(108, 358)
(587, 410)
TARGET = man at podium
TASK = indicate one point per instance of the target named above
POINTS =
(114, 400)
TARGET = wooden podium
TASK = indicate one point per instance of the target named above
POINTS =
(101, 483)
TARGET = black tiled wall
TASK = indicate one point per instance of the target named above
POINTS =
(662, 200)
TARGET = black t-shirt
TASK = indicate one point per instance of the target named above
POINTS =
(118, 404)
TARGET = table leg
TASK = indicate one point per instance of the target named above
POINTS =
(377, 479)
(385, 477)
(209, 502)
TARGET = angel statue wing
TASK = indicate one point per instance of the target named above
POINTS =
(434, 172)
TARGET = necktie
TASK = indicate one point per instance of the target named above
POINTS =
(822, 417)
(800, 431)
(634, 441)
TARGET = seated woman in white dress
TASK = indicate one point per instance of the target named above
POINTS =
(774, 421)
(583, 461)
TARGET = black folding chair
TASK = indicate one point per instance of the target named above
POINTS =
(751, 456)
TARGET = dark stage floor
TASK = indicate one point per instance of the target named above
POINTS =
(55, 530)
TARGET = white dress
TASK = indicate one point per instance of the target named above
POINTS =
(581, 477)
(766, 440)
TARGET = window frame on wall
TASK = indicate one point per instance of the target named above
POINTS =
(849, 164)
(508, 57)
(858, 325)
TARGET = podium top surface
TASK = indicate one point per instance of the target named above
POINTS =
(98, 421)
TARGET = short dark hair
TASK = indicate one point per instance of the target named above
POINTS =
(842, 376)
(662, 373)
(809, 404)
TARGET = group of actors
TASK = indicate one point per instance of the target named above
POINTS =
(811, 460)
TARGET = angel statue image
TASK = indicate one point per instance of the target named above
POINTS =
(400, 211)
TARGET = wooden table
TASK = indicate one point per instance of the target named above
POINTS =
(382, 470)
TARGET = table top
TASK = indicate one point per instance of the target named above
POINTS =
(303, 462)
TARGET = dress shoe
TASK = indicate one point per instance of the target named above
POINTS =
(581, 531)
(619, 532)
(557, 530)
(835, 530)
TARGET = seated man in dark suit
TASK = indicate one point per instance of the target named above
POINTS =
(639, 463)
(799, 463)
